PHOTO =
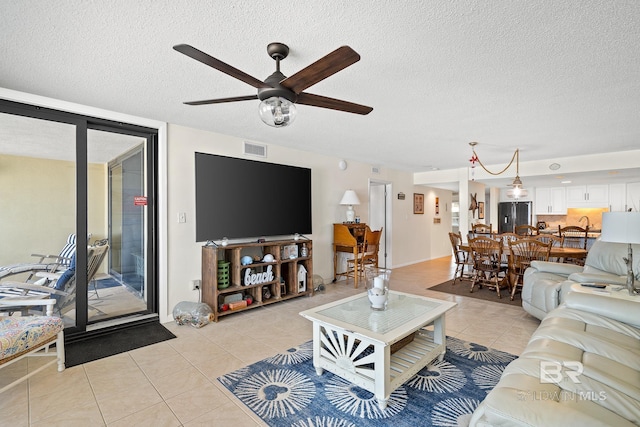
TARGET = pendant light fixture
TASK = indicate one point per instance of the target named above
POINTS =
(516, 191)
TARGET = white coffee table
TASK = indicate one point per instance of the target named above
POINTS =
(354, 342)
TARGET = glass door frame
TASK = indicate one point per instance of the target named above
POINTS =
(82, 124)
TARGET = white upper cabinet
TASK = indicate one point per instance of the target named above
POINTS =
(633, 196)
(550, 201)
(588, 196)
(617, 197)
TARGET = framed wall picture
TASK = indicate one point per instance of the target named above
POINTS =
(437, 205)
(418, 203)
(480, 210)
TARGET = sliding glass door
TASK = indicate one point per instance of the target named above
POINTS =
(119, 289)
(87, 184)
(38, 203)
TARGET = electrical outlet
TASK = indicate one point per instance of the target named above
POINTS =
(195, 284)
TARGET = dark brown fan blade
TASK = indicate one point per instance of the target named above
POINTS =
(332, 103)
(198, 55)
(221, 100)
(337, 60)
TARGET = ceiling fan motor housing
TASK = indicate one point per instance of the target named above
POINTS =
(276, 90)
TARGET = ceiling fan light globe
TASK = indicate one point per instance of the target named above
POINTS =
(277, 112)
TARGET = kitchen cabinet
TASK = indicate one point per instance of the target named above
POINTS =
(588, 196)
(617, 197)
(550, 201)
(633, 196)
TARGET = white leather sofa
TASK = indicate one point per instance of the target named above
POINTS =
(546, 283)
(580, 368)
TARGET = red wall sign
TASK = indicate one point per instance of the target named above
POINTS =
(140, 200)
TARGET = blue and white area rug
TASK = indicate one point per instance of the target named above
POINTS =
(284, 390)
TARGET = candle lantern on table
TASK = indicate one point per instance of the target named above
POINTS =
(377, 282)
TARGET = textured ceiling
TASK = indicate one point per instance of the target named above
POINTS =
(553, 78)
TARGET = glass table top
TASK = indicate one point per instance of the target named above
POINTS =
(401, 309)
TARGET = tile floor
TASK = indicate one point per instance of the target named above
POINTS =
(174, 383)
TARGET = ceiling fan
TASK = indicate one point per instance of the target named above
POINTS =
(279, 93)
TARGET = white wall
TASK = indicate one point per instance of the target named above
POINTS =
(414, 237)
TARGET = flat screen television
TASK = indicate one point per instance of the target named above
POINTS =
(240, 198)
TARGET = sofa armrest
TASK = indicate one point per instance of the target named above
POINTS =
(598, 278)
(556, 268)
(622, 310)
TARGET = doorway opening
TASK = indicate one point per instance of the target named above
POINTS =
(380, 217)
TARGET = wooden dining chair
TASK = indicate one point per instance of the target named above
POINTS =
(555, 242)
(489, 269)
(366, 253)
(481, 229)
(509, 237)
(522, 252)
(574, 237)
(371, 248)
(345, 242)
(461, 258)
(526, 230)
(505, 239)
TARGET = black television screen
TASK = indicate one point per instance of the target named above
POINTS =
(238, 198)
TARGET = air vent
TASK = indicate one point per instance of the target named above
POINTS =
(254, 149)
(375, 169)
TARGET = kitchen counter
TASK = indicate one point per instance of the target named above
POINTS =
(590, 235)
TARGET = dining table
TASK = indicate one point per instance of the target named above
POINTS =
(555, 252)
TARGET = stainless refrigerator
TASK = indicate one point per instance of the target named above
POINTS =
(511, 214)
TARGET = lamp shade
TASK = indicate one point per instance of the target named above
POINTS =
(517, 193)
(350, 198)
(621, 227)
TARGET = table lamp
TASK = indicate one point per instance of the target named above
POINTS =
(350, 198)
(623, 227)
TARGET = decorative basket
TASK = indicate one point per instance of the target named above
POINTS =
(404, 341)
(223, 274)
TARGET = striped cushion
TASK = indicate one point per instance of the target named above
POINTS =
(18, 334)
(66, 254)
(68, 249)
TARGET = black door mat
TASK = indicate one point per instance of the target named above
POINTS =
(116, 342)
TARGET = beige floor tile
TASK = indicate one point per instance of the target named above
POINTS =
(213, 368)
(81, 415)
(120, 363)
(58, 402)
(158, 415)
(227, 415)
(14, 405)
(128, 401)
(43, 384)
(196, 402)
(161, 366)
(180, 381)
(175, 382)
(105, 386)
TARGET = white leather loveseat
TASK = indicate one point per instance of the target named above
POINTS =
(580, 368)
(546, 283)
